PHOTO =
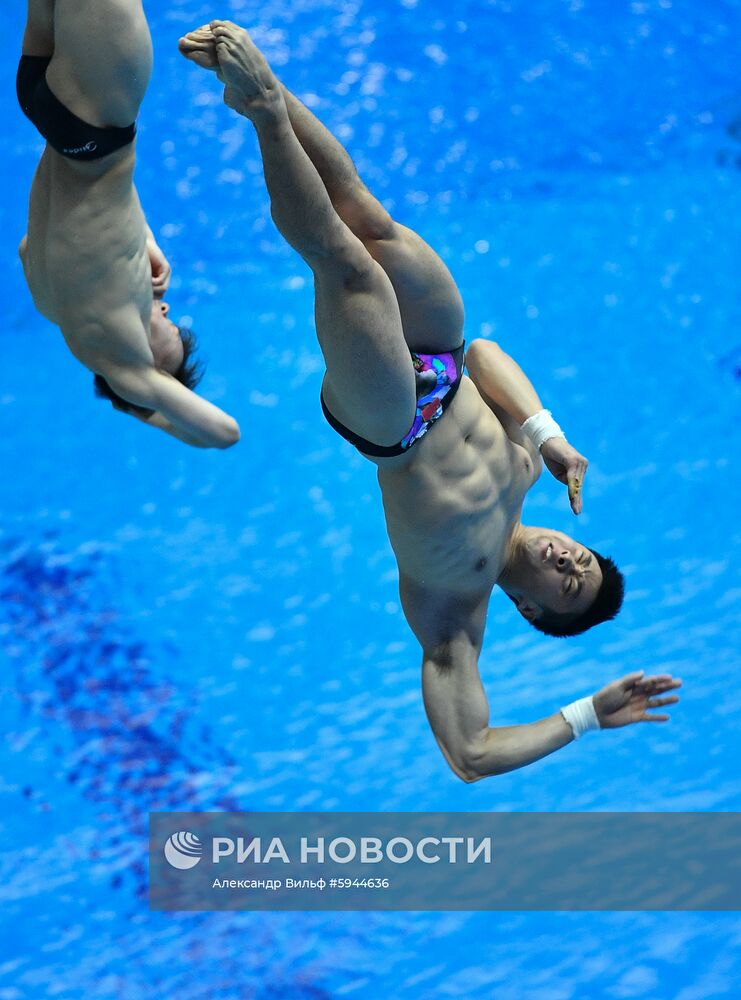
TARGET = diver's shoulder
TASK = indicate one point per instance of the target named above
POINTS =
(106, 342)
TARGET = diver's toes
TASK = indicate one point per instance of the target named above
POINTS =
(200, 36)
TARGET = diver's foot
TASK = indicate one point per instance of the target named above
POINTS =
(200, 47)
(245, 71)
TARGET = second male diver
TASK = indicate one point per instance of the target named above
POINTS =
(91, 262)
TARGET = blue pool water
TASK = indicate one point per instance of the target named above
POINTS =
(222, 630)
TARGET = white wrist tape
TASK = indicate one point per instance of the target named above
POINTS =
(581, 716)
(540, 427)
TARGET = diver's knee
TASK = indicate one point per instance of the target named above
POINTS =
(364, 214)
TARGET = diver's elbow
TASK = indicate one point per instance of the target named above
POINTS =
(464, 766)
(473, 762)
(466, 774)
(229, 434)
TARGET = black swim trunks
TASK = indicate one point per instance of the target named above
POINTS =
(437, 377)
(65, 132)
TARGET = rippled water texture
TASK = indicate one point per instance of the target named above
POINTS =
(208, 630)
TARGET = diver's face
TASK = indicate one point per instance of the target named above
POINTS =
(164, 339)
(564, 577)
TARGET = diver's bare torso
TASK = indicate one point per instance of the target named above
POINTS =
(451, 504)
(85, 257)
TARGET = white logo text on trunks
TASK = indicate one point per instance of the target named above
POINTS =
(89, 147)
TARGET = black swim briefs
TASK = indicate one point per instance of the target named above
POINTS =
(65, 132)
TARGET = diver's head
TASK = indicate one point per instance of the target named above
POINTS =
(173, 349)
(559, 585)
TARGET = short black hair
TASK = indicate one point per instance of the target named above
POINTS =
(189, 373)
(603, 608)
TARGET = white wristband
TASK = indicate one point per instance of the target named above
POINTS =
(581, 716)
(540, 427)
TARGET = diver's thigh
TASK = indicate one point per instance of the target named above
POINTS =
(370, 384)
(430, 304)
(102, 59)
(38, 36)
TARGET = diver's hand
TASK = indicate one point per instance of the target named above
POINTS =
(629, 699)
(567, 465)
(161, 270)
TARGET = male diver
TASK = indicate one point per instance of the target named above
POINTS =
(91, 262)
(455, 456)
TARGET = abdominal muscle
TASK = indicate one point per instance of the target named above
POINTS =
(451, 502)
(86, 261)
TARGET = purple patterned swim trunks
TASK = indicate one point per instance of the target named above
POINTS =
(437, 377)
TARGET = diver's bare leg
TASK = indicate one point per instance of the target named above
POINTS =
(102, 59)
(429, 302)
(370, 379)
(38, 37)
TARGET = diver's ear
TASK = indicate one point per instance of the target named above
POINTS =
(528, 610)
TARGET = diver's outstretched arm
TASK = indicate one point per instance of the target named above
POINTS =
(450, 631)
(175, 409)
(458, 711)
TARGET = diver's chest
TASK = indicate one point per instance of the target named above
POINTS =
(459, 547)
